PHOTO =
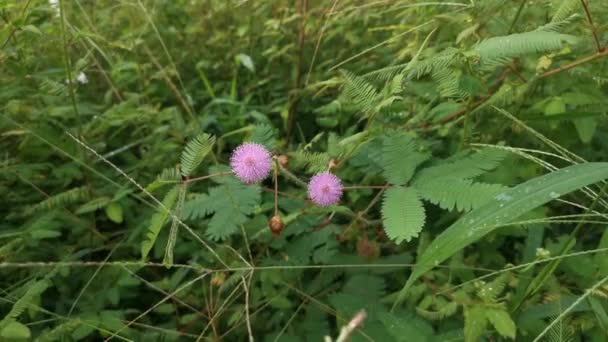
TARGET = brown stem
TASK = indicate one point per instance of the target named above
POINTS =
(598, 46)
(354, 187)
(190, 180)
(575, 64)
(569, 66)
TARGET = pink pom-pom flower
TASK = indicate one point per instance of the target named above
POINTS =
(325, 189)
(251, 162)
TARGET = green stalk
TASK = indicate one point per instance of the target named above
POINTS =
(537, 283)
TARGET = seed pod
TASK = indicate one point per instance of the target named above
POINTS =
(283, 160)
(276, 225)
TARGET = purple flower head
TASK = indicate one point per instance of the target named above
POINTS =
(251, 162)
(325, 189)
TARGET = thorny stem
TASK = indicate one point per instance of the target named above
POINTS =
(598, 46)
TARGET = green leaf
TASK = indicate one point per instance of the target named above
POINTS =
(229, 204)
(114, 212)
(460, 194)
(474, 322)
(400, 159)
(195, 151)
(406, 327)
(246, 61)
(502, 322)
(157, 221)
(585, 128)
(33, 290)
(505, 208)
(402, 213)
(264, 134)
(93, 205)
(15, 330)
(31, 28)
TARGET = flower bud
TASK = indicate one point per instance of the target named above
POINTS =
(283, 161)
(276, 225)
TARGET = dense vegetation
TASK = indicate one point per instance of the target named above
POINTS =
(468, 136)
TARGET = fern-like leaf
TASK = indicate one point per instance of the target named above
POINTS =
(358, 92)
(229, 204)
(168, 259)
(459, 194)
(68, 197)
(195, 151)
(313, 161)
(462, 167)
(167, 176)
(158, 220)
(59, 332)
(400, 158)
(403, 214)
(265, 135)
(33, 290)
(565, 8)
(497, 50)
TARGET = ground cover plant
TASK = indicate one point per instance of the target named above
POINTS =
(303, 170)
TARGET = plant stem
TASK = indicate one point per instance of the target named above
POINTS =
(293, 177)
(575, 64)
(276, 187)
(537, 283)
(598, 46)
(517, 15)
(355, 187)
(190, 180)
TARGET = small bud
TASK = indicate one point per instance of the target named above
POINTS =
(276, 225)
(283, 161)
(332, 164)
(218, 279)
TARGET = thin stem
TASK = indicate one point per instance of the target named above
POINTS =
(10, 35)
(570, 308)
(355, 187)
(517, 15)
(68, 67)
(540, 279)
(223, 173)
(575, 63)
(292, 177)
(276, 188)
(598, 46)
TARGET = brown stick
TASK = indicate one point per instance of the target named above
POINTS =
(575, 64)
(190, 180)
(598, 46)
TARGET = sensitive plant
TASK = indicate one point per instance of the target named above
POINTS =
(467, 138)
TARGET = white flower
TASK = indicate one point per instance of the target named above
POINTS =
(82, 78)
(55, 6)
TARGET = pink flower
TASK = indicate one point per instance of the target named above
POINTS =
(251, 162)
(325, 189)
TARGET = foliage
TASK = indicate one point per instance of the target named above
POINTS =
(469, 137)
